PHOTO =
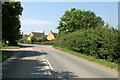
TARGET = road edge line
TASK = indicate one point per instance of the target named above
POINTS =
(49, 65)
(47, 62)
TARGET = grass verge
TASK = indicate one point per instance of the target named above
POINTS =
(90, 58)
(11, 47)
(5, 55)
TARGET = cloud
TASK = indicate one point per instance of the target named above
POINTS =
(34, 22)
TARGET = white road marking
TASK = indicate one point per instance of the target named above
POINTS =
(49, 67)
(47, 62)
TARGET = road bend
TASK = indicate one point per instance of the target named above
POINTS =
(37, 61)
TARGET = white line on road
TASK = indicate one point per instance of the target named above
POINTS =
(49, 67)
(47, 62)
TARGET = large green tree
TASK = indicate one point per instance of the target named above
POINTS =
(11, 12)
(75, 19)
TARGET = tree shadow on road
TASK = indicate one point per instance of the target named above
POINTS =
(30, 64)
(26, 46)
(30, 54)
(62, 74)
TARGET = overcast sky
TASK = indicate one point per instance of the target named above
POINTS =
(44, 16)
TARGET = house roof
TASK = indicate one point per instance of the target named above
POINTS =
(38, 34)
(55, 34)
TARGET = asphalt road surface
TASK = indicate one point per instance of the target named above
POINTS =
(42, 61)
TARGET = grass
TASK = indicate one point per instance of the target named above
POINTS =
(91, 58)
(4, 46)
(5, 55)
(11, 47)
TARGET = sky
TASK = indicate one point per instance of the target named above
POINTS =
(45, 16)
(69, 0)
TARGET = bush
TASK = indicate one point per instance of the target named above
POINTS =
(2, 44)
(45, 43)
(41, 39)
(41, 43)
(33, 39)
(99, 42)
(24, 40)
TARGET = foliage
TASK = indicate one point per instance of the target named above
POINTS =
(36, 41)
(76, 19)
(45, 43)
(10, 21)
(24, 40)
(99, 42)
(2, 44)
(33, 39)
(44, 38)
(41, 39)
(11, 47)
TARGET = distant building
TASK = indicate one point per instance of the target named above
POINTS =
(35, 34)
(51, 36)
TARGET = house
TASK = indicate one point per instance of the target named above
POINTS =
(51, 36)
(35, 34)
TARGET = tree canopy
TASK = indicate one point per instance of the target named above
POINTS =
(11, 12)
(75, 19)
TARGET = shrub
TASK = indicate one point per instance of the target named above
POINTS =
(33, 39)
(45, 43)
(24, 40)
(41, 39)
(99, 42)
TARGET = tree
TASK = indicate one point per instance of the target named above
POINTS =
(11, 12)
(75, 19)
(33, 39)
(44, 38)
(41, 39)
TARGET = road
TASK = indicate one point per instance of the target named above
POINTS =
(39, 61)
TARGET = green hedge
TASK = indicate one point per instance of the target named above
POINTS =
(100, 42)
(40, 43)
(44, 43)
(24, 40)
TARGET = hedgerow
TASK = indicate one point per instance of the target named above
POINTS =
(99, 42)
